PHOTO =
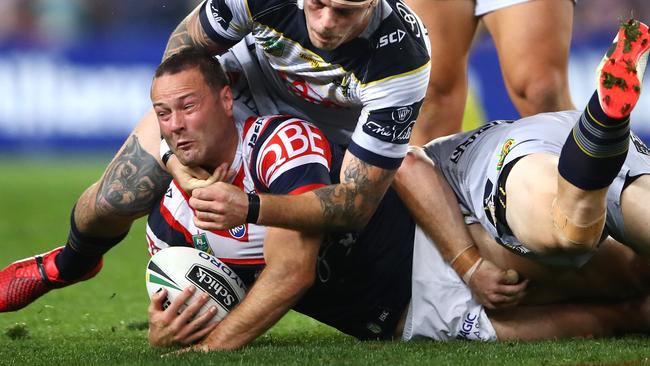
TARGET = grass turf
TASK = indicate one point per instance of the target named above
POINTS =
(103, 321)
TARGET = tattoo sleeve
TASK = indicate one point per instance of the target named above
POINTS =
(189, 33)
(354, 201)
(132, 183)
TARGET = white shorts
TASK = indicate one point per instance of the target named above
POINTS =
(486, 6)
(442, 306)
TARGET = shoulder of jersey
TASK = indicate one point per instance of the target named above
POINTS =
(277, 141)
(399, 43)
(260, 8)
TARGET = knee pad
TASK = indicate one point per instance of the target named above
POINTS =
(581, 236)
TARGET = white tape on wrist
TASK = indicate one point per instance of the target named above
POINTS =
(470, 272)
(165, 151)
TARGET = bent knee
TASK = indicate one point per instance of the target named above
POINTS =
(576, 237)
(546, 92)
(566, 246)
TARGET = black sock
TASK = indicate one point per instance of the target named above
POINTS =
(596, 148)
(73, 265)
(82, 252)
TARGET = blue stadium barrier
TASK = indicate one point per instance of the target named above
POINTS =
(89, 95)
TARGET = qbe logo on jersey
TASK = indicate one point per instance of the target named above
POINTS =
(293, 143)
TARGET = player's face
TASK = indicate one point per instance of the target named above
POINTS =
(196, 121)
(330, 24)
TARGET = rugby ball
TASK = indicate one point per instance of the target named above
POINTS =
(176, 268)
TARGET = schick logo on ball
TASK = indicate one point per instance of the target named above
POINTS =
(201, 242)
(238, 232)
(214, 285)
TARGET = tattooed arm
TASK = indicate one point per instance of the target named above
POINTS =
(348, 205)
(131, 184)
(344, 206)
(190, 33)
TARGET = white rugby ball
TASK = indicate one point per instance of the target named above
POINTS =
(176, 268)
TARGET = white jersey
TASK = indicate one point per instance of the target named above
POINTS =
(277, 154)
(472, 162)
(366, 93)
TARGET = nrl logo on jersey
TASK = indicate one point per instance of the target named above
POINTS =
(201, 243)
(273, 46)
(343, 84)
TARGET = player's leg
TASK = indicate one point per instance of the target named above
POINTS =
(451, 25)
(596, 148)
(571, 320)
(636, 214)
(101, 218)
(569, 215)
(532, 182)
(533, 39)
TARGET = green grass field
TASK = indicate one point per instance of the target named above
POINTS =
(103, 321)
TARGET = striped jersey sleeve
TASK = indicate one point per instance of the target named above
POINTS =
(393, 89)
(226, 21)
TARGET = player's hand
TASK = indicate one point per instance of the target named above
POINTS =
(496, 288)
(169, 328)
(220, 206)
(191, 178)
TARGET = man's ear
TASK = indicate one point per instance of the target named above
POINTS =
(225, 96)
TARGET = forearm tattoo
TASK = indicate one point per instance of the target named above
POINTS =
(354, 200)
(179, 40)
(132, 183)
(189, 33)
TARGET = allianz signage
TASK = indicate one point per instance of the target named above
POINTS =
(41, 95)
(46, 98)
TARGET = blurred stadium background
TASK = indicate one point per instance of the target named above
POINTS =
(74, 74)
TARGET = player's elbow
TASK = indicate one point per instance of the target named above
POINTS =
(302, 279)
(296, 276)
(360, 218)
(415, 161)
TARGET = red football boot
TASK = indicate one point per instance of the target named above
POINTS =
(26, 280)
(621, 71)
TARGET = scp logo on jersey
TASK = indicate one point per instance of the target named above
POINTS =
(393, 37)
(221, 13)
(238, 232)
(293, 143)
